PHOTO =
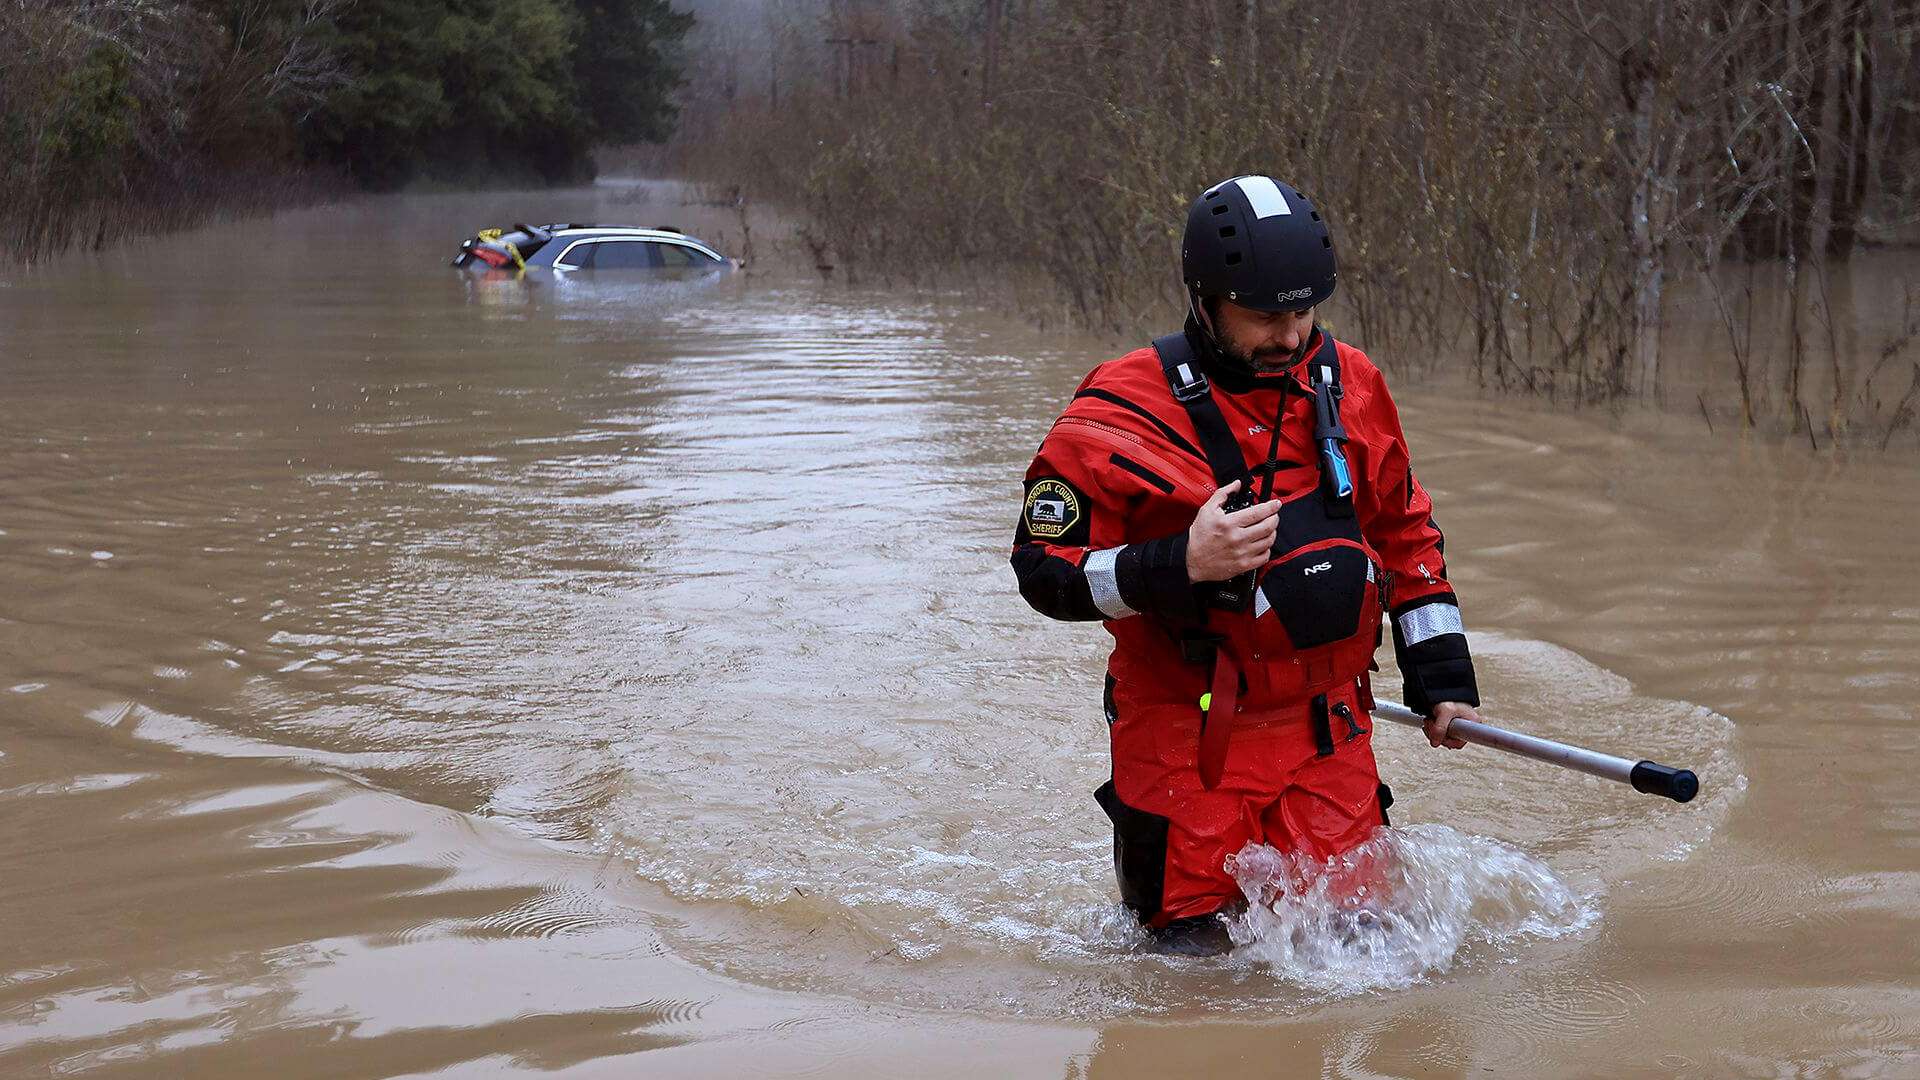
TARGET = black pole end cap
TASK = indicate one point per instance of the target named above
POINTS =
(1652, 778)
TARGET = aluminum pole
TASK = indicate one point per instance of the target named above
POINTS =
(1680, 785)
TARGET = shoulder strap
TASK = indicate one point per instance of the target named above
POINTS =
(1193, 392)
(1326, 358)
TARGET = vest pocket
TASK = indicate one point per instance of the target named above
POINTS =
(1319, 594)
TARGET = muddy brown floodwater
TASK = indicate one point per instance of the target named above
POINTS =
(406, 674)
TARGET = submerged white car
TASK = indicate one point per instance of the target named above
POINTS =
(589, 247)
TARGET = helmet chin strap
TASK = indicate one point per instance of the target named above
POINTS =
(1197, 306)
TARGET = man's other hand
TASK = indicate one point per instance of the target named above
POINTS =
(1221, 545)
(1444, 713)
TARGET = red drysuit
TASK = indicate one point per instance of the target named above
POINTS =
(1102, 535)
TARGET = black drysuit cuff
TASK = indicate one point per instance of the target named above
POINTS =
(1152, 577)
(1436, 667)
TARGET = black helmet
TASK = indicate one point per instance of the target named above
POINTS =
(1259, 243)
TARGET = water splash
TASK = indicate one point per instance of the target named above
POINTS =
(1394, 910)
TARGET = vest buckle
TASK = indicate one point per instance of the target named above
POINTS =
(1187, 383)
(1199, 646)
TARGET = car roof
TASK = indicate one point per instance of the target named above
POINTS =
(660, 232)
(566, 235)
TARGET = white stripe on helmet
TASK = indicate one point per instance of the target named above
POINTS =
(1264, 195)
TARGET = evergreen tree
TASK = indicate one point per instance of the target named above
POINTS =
(626, 61)
(465, 90)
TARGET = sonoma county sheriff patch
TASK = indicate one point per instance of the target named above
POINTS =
(1055, 513)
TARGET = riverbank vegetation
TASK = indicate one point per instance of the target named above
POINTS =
(1520, 193)
(128, 116)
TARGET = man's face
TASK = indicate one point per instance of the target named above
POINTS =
(1262, 340)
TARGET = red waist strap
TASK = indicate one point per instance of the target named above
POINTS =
(1216, 717)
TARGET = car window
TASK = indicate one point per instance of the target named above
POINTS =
(625, 255)
(674, 255)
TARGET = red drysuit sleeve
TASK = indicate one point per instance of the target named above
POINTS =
(1070, 549)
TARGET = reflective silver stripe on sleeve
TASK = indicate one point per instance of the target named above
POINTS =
(1430, 621)
(1104, 586)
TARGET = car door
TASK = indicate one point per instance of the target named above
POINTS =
(605, 253)
(680, 256)
(622, 253)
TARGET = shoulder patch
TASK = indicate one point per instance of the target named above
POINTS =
(1055, 513)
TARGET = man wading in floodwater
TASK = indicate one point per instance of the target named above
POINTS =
(1244, 602)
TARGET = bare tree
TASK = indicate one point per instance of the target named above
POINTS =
(1517, 190)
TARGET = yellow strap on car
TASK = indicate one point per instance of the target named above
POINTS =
(492, 236)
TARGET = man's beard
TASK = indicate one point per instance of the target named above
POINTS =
(1267, 361)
